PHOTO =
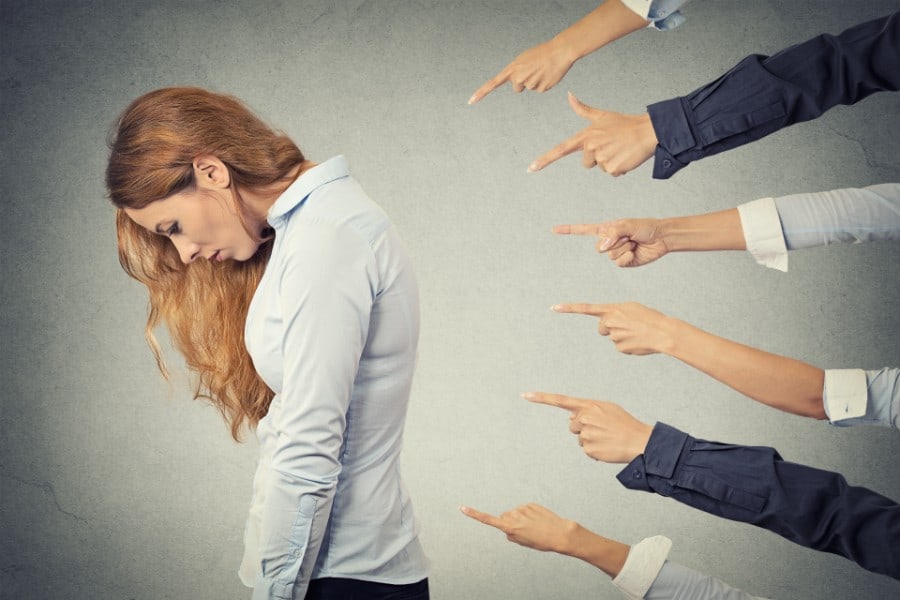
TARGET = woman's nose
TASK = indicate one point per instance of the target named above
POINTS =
(187, 250)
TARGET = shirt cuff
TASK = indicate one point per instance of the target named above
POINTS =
(763, 233)
(644, 561)
(639, 7)
(846, 394)
(673, 130)
(660, 457)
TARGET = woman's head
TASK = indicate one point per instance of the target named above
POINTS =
(182, 161)
(179, 160)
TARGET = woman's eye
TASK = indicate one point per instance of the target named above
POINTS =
(173, 230)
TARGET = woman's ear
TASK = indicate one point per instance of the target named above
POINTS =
(210, 172)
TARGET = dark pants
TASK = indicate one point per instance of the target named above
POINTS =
(333, 588)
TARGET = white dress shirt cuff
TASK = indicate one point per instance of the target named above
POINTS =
(645, 559)
(763, 234)
(846, 394)
(639, 7)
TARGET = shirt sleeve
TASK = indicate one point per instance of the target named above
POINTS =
(662, 14)
(763, 234)
(857, 397)
(676, 582)
(753, 484)
(647, 575)
(763, 94)
(327, 290)
(772, 226)
(848, 216)
(642, 565)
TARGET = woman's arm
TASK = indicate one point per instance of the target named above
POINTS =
(639, 571)
(783, 383)
(534, 526)
(325, 300)
(767, 228)
(543, 66)
(637, 242)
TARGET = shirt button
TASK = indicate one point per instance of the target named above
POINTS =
(667, 163)
(636, 475)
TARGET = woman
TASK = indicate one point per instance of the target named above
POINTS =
(291, 296)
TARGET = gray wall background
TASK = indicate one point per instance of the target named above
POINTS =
(113, 484)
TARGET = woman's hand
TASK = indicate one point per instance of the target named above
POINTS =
(633, 328)
(615, 142)
(530, 525)
(534, 526)
(538, 69)
(627, 242)
(605, 430)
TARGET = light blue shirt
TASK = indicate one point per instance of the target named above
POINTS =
(773, 226)
(332, 330)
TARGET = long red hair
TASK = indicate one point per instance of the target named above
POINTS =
(203, 305)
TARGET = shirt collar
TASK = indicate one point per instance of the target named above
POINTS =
(299, 191)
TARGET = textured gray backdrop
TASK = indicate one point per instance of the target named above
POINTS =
(114, 485)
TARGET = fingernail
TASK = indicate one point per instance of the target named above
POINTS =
(532, 167)
(605, 244)
(471, 99)
(556, 307)
(463, 509)
(528, 395)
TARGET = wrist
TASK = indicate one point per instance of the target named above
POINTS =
(605, 554)
(672, 332)
(641, 439)
(647, 139)
(571, 542)
(566, 46)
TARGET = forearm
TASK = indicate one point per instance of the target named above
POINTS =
(712, 231)
(605, 554)
(606, 23)
(780, 382)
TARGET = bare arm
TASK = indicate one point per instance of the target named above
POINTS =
(780, 382)
(637, 242)
(534, 526)
(543, 66)
(784, 383)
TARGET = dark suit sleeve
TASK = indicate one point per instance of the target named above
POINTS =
(763, 94)
(752, 484)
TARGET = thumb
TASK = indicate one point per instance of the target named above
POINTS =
(613, 233)
(583, 110)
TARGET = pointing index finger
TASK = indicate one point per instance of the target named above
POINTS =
(483, 517)
(579, 229)
(558, 400)
(491, 85)
(593, 310)
(564, 149)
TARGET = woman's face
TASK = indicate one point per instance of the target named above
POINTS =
(202, 221)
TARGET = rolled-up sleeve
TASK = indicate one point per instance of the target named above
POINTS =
(752, 484)
(327, 290)
(762, 94)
